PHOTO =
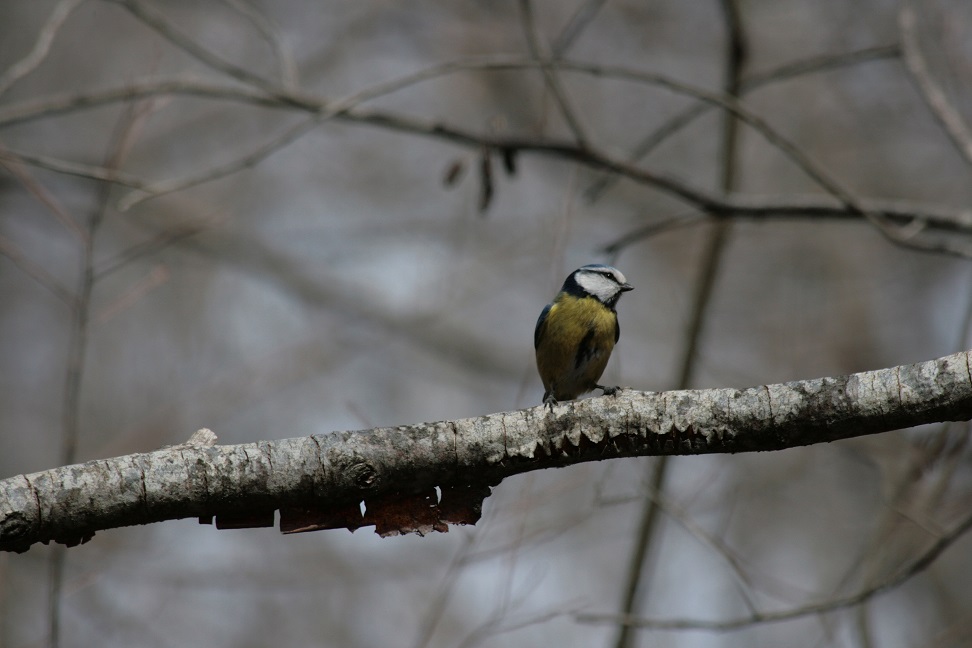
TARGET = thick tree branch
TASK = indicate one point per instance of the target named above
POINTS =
(391, 469)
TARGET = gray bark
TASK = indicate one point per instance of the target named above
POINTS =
(385, 467)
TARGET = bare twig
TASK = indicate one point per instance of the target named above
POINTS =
(957, 633)
(904, 236)
(322, 111)
(649, 230)
(796, 155)
(497, 626)
(158, 276)
(579, 21)
(814, 64)
(437, 605)
(37, 273)
(782, 73)
(958, 131)
(681, 517)
(153, 245)
(243, 161)
(14, 164)
(91, 172)
(346, 109)
(42, 46)
(165, 28)
(551, 77)
(55, 105)
(271, 33)
(917, 566)
(933, 216)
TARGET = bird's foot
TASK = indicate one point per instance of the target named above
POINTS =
(610, 391)
(549, 401)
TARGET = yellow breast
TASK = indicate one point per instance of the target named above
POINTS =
(574, 344)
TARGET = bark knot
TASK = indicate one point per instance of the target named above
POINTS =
(363, 475)
(14, 526)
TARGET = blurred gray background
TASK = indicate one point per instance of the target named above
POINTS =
(338, 283)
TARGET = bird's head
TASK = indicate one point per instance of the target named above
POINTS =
(602, 282)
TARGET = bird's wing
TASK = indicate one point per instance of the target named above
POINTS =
(540, 322)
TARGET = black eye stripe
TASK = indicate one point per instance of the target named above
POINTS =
(608, 273)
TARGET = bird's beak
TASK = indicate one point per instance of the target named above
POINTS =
(625, 287)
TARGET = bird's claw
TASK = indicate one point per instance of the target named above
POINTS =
(550, 401)
(610, 391)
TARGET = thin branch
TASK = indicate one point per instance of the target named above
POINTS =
(255, 259)
(322, 111)
(901, 236)
(52, 106)
(958, 131)
(796, 155)
(814, 64)
(932, 216)
(167, 29)
(782, 73)
(42, 46)
(152, 246)
(904, 213)
(596, 159)
(578, 22)
(158, 276)
(243, 161)
(496, 626)
(437, 605)
(14, 164)
(905, 236)
(713, 542)
(88, 171)
(550, 75)
(917, 566)
(346, 110)
(37, 273)
(652, 229)
(345, 107)
(289, 78)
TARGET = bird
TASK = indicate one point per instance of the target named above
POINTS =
(577, 331)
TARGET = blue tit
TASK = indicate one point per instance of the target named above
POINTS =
(577, 332)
